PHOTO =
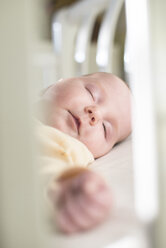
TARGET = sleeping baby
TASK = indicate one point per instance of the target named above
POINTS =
(83, 119)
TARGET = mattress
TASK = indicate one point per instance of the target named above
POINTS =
(117, 169)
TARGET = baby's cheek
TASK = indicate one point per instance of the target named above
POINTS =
(95, 143)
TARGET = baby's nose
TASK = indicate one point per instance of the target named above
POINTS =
(93, 113)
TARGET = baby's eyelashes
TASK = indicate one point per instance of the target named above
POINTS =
(94, 92)
(105, 130)
(108, 130)
(89, 91)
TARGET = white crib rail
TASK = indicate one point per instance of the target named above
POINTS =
(83, 39)
(104, 56)
(144, 141)
(18, 220)
(71, 30)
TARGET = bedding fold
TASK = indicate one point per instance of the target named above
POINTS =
(59, 152)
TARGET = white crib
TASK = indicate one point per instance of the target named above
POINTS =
(29, 63)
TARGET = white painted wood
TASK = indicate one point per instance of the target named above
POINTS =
(18, 184)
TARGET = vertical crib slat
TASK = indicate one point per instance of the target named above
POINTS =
(17, 168)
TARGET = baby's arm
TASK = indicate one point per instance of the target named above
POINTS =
(81, 200)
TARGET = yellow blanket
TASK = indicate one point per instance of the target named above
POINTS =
(60, 151)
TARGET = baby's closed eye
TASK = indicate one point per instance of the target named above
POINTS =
(107, 130)
(90, 93)
(94, 91)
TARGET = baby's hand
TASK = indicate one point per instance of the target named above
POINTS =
(82, 200)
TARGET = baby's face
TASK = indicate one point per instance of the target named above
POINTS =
(94, 109)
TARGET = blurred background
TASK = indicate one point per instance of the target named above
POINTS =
(45, 40)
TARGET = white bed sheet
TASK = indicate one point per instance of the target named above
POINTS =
(116, 167)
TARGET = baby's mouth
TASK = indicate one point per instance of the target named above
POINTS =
(76, 120)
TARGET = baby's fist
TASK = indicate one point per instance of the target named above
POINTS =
(82, 200)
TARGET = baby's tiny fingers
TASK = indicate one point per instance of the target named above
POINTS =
(64, 222)
(78, 215)
(94, 212)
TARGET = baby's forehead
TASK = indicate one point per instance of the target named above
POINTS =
(110, 82)
(106, 81)
(101, 77)
(96, 79)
